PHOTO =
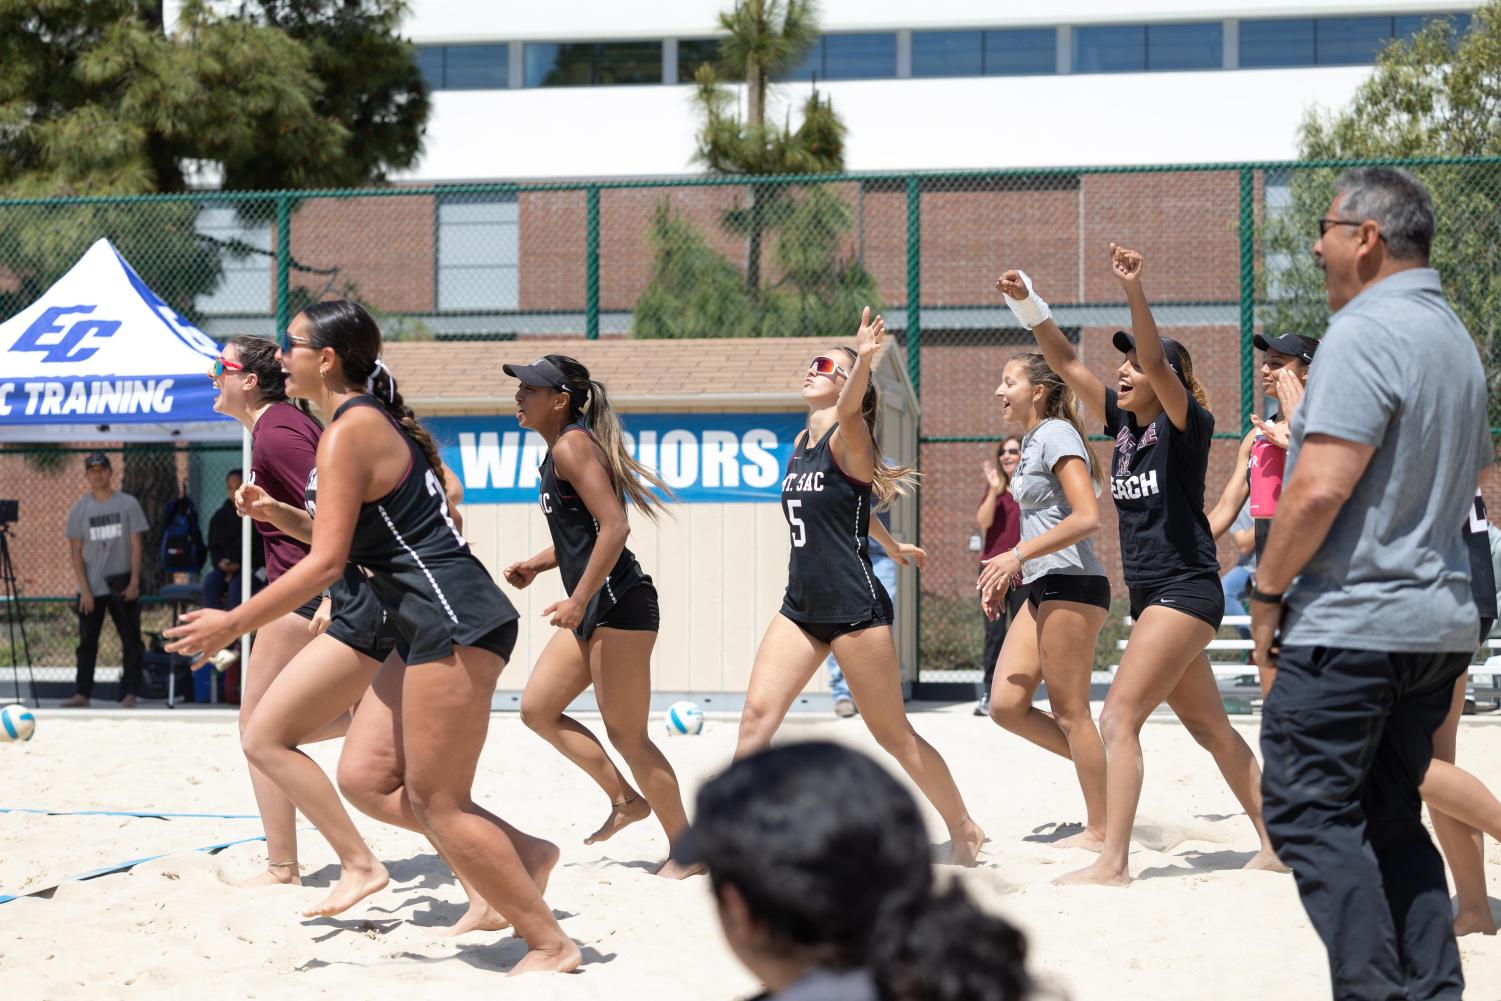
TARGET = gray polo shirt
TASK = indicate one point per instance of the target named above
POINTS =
(1398, 371)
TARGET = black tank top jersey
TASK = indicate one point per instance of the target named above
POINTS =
(1482, 571)
(1157, 479)
(829, 577)
(574, 532)
(436, 592)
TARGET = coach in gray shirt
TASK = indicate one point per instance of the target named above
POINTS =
(1367, 575)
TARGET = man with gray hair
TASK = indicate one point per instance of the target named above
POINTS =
(1367, 577)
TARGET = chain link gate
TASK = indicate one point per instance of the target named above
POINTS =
(1227, 250)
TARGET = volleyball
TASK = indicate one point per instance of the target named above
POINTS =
(684, 719)
(17, 723)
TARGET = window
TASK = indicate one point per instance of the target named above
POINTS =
(478, 252)
(477, 67)
(245, 256)
(1114, 49)
(693, 53)
(581, 64)
(1021, 53)
(430, 65)
(1276, 43)
(1350, 41)
(1407, 26)
(948, 53)
(1184, 47)
(859, 57)
(848, 57)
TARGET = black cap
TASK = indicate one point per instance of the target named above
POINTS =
(96, 459)
(1171, 349)
(541, 373)
(1289, 344)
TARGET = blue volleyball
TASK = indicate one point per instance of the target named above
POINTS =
(684, 719)
(16, 723)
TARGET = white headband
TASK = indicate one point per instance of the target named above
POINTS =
(380, 366)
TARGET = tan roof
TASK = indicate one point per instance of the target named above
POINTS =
(464, 373)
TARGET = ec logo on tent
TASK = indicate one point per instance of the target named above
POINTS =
(63, 342)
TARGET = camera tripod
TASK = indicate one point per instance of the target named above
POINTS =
(15, 616)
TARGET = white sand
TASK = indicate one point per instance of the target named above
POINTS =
(1191, 927)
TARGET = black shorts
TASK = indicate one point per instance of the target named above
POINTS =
(827, 632)
(1201, 596)
(500, 641)
(1082, 589)
(636, 610)
(308, 608)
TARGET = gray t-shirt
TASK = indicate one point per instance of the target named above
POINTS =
(1397, 371)
(1043, 504)
(104, 527)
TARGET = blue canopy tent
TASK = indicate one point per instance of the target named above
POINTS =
(101, 357)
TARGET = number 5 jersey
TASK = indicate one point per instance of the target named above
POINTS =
(829, 578)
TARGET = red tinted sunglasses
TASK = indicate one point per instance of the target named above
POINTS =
(221, 363)
(824, 365)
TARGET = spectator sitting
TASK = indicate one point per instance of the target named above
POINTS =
(104, 530)
(819, 864)
(222, 585)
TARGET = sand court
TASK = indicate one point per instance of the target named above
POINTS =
(1191, 926)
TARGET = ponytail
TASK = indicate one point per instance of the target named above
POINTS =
(588, 401)
(258, 357)
(382, 385)
(1190, 382)
(888, 482)
(941, 947)
(1060, 403)
(353, 335)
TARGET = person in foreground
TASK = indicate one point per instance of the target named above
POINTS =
(818, 860)
(1366, 575)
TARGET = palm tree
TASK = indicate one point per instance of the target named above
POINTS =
(764, 38)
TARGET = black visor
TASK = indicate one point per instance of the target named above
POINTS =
(541, 373)
(1297, 345)
(1125, 344)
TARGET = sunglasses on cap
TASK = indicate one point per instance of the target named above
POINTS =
(222, 364)
(286, 342)
(824, 365)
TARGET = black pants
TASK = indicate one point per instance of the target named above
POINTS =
(995, 636)
(1347, 736)
(127, 618)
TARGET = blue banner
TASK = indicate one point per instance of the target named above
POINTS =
(706, 458)
(105, 400)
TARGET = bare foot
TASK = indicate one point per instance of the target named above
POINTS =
(1474, 923)
(621, 816)
(1267, 861)
(964, 844)
(1098, 874)
(539, 857)
(676, 870)
(353, 886)
(480, 917)
(562, 958)
(273, 876)
(1087, 839)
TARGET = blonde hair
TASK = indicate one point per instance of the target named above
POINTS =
(1059, 402)
(888, 482)
(587, 400)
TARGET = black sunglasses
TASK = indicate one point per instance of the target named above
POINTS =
(1325, 225)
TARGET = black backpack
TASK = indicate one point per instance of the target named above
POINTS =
(183, 550)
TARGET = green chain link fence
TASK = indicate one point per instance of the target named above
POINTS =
(1227, 248)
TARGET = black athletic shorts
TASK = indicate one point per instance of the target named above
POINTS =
(827, 632)
(308, 608)
(635, 610)
(1083, 589)
(1201, 596)
(500, 641)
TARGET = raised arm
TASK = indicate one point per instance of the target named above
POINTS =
(1032, 312)
(1127, 265)
(853, 448)
(985, 516)
(1233, 497)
